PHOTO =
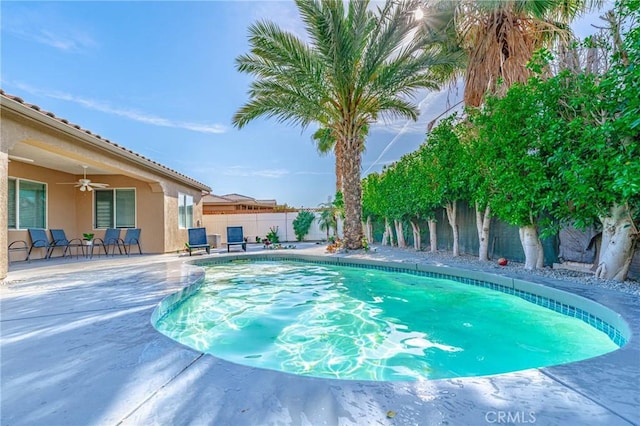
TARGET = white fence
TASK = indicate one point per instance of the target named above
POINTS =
(258, 225)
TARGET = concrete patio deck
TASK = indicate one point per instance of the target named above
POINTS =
(77, 348)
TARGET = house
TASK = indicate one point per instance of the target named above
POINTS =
(236, 203)
(42, 156)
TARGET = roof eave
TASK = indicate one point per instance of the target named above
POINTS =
(96, 142)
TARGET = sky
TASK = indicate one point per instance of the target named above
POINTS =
(159, 78)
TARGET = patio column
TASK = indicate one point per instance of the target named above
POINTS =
(4, 171)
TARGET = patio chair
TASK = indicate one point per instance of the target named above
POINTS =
(131, 237)
(60, 240)
(18, 245)
(235, 236)
(198, 240)
(111, 239)
(39, 239)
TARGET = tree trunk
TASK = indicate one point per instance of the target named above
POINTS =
(387, 237)
(417, 240)
(533, 253)
(368, 230)
(399, 233)
(352, 195)
(433, 236)
(618, 241)
(483, 221)
(452, 212)
(389, 232)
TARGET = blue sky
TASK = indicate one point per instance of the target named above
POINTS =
(159, 78)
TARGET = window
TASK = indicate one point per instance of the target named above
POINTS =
(27, 204)
(185, 211)
(115, 208)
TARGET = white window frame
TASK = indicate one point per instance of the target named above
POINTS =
(115, 210)
(183, 203)
(17, 201)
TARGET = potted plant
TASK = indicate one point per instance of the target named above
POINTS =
(88, 237)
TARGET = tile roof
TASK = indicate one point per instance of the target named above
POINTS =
(237, 199)
(102, 140)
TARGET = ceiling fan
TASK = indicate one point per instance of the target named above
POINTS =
(85, 184)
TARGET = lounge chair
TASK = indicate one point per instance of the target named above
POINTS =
(235, 236)
(198, 240)
(111, 239)
(131, 237)
(39, 239)
(60, 240)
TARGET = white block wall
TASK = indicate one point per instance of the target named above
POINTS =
(258, 224)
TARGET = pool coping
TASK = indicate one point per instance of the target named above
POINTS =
(105, 363)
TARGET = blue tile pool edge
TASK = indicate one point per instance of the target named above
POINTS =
(606, 320)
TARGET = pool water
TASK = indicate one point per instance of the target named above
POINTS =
(362, 324)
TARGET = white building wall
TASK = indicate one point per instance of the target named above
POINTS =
(258, 224)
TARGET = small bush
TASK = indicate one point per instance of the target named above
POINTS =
(272, 235)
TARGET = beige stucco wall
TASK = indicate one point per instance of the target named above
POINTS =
(176, 237)
(72, 210)
(3, 213)
(60, 214)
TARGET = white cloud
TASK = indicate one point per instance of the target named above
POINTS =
(243, 171)
(43, 25)
(434, 105)
(128, 113)
(314, 173)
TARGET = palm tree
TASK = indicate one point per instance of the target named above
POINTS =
(326, 142)
(328, 218)
(500, 36)
(358, 65)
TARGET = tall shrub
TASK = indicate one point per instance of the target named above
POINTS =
(302, 224)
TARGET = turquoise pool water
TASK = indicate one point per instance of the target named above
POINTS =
(362, 324)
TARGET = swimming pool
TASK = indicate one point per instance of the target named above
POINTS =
(370, 324)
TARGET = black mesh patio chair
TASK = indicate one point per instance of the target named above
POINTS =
(111, 239)
(131, 237)
(18, 245)
(39, 240)
(60, 240)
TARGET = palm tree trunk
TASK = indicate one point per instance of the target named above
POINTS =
(352, 195)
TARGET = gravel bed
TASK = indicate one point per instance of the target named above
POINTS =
(512, 269)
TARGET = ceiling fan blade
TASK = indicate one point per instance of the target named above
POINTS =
(67, 183)
(99, 185)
